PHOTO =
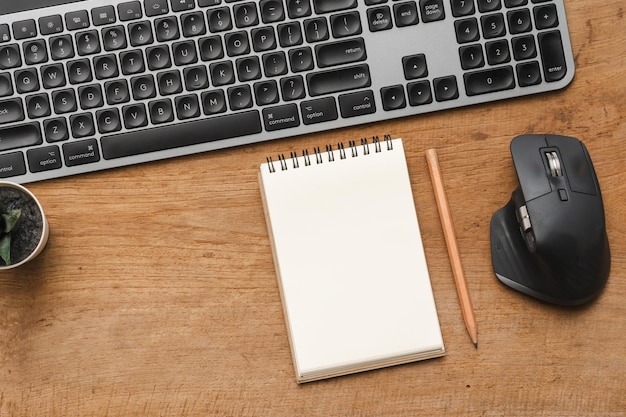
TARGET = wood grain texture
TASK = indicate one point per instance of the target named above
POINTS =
(157, 294)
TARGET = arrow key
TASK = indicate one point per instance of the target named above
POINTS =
(446, 88)
(393, 97)
(414, 66)
(419, 93)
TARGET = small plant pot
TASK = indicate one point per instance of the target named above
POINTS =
(30, 235)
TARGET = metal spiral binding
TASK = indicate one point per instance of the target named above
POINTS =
(319, 153)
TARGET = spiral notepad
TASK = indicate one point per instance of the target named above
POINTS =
(349, 259)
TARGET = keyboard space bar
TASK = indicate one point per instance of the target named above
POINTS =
(180, 135)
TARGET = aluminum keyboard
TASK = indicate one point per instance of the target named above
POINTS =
(99, 84)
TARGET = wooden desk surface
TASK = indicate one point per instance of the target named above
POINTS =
(157, 296)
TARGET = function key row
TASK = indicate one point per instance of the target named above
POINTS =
(246, 14)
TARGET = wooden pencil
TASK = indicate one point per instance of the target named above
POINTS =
(453, 247)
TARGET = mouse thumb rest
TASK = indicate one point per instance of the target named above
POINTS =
(571, 281)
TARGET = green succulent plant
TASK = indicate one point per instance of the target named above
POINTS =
(9, 220)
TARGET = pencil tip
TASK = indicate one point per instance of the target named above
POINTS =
(476, 345)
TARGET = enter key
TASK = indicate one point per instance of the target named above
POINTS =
(552, 56)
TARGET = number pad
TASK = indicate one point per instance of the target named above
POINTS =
(497, 46)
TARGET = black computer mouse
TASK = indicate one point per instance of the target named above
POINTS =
(550, 240)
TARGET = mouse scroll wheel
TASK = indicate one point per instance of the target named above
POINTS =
(554, 164)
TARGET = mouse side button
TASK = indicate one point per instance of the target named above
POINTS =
(528, 160)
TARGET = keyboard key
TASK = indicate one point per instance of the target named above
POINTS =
(213, 102)
(219, 19)
(301, 59)
(546, 16)
(446, 88)
(393, 97)
(24, 29)
(134, 116)
(488, 5)
(64, 101)
(187, 107)
(528, 73)
(272, 11)
(37, 105)
(298, 8)
(182, 5)
(493, 25)
(166, 29)
(5, 33)
(44, 159)
(524, 47)
(186, 134)
(6, 85)
(81, 152)
(240, 97)
(49, 25)
(316, 30)
(432, 10)
(53, 76)
(79, 71)
(406, 14)
(348, 24)
(161, 111)
(497, 52)
(56, 129)
(192, 24)
(343, 52)
(104, 15)
(155, 7)
(466, 30)
(266, 92)
(26, 81)
(20, 136)
(419, 93)
(552, 55)
(116, 92)
(245, 15)
(489, 81)
(77, 20)
(327, 6)
(90, 96)
(519, 21)
(289, 34)
(379, 18)
(35, 52)
(10, 56)
(471, 56)
(108, 120)
(10, 111)
(320, 110)
(275, 64)
(281, 117)
(462, 7)
(357, 104)
(81, 125)
(333, 81)
(292, 88)
(61, 47)
(12, 165)
(140, 33)
(87, 43)
(414, 66)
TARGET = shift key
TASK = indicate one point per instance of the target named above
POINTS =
(344, 79)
